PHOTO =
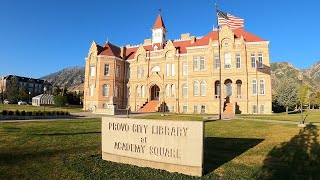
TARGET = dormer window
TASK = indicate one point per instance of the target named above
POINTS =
(155, 47)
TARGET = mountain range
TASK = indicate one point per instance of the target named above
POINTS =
(73, 77)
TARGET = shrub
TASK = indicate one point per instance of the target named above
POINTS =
(17, 113)
(67, 113)
(4, 112)
(62, 113)
(40, 113)
(23, 113)
(57, 113)
(10, 113)
(34, 113)
(29, 113)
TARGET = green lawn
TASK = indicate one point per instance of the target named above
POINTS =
(39, 108)
(311, 116)
(233, 150)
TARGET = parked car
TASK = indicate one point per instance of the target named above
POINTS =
(22, 103)
(6, 101)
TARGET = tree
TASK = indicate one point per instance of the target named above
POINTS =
(303, 94)
(12, 91)
(23, 94)
(287, 93)
(315, 99)
(60, 100)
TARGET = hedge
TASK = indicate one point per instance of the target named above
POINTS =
(34, 113)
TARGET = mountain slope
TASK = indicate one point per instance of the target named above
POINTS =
(72, 78)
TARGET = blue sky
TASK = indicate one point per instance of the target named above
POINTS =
(38, 37)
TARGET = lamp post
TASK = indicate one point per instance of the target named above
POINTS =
(44, 102)
(29, 97)
(300, 78)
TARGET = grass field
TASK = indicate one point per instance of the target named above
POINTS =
(39, 108)
(234, 149)
(311, 116)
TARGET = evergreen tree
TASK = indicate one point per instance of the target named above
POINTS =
(12, 91)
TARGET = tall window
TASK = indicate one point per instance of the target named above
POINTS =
(203, 109)
(184, 90)
(118, 71)
(173, 90)
(217, 89)
(195, 64)
(167, 90)
(168, 69)
(262, 92)
(105, 91)
(138, 71)
(260, 60)
(253, 61)
(143, 93)
(203, 88)
(138, 91)
(92, 70)
(254, 109)
(238, 61)
(239, 83)
(202, 63)
(216, 61)
(254, 87)
(116, 93)
(184, 69)
(195, 109)
(196, 88)
(142, 72)
(172, 69)
(227, 60)
(106, 69)
(91, 90)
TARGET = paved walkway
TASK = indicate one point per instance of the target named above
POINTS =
(274, 121)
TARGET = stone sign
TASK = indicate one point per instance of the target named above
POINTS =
(175, 146)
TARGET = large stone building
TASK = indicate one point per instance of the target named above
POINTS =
(181, 75)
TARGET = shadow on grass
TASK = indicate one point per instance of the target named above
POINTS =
(218, 151)
(66, 134)
(297, 159)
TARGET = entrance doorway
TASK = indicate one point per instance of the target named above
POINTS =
(155, 92)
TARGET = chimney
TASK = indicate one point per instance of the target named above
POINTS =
(185, 36)
(193, 39)
(147, 42)
(123, 51)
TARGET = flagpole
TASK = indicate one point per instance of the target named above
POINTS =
(220, 87)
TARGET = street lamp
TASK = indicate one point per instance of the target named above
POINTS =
(44, 102)
(29, 97)
(300, 78)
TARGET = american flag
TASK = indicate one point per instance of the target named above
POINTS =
(229, 20)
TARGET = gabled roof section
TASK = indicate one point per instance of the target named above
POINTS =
(109, 49)
(248, 37)
(159, 23)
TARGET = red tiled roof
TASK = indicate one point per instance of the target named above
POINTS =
(248, 37)
(159, 23)
(182, 45)
(109, 50)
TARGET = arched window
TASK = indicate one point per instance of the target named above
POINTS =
(173, 90)
(228, 84)
(116, 93)
(138, 91)
(167, 90)
(239, 83)
(91, 90)
(217, 89)
(203, 88)
(262, 91)
(105, 90)
(196, 88)
(143, 92)
(227, 60)
(254, 87)
(184, 90)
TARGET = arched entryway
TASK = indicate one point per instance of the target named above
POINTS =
(154, 92)
(228, 84)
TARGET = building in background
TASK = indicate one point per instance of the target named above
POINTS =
(34, 86)
(182, 75)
